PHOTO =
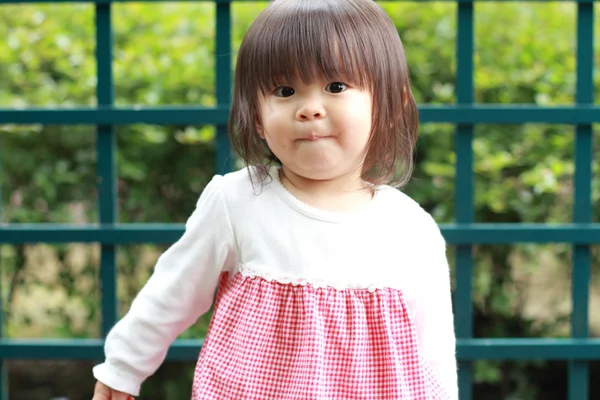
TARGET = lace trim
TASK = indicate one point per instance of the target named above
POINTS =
(253, 272)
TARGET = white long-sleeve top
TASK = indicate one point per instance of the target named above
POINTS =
(391, 242)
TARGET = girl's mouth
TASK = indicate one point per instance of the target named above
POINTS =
(312, 137)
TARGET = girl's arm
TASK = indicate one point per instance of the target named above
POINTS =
(179, 291)
(434, 317)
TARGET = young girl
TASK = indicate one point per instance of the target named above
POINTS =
(331, 284)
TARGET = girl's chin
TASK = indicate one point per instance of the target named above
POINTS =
(324, 171)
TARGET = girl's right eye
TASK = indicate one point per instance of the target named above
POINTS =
(284, 91)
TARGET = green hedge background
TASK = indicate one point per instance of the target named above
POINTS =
(525, 53)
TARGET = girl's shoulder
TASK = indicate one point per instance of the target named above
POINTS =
(396, 201)
(402, 210)
(243, 188)
(239, 183)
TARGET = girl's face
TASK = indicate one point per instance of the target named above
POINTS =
(318, 131)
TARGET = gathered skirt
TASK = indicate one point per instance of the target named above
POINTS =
(269, 340)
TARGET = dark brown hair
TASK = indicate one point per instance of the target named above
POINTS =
(312, 39)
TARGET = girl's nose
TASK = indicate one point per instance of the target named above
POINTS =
(310, 112)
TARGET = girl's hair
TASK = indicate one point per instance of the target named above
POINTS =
(333, 39)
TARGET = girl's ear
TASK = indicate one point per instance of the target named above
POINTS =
(404, 96)
(404, 100)
(258, 127)
(259, 130)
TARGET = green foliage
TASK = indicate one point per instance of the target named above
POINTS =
(163, 55)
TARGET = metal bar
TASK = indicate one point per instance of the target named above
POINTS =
(105, 150)
(467, 349)
(464, 192)
(82, 349)
(224, 159)
(457, 234)
(117, 116)
(455, 114)
(579, 379)
(528, 349)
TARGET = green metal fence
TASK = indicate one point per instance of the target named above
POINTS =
(464, 233)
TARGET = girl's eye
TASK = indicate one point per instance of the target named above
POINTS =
(336, 87)
(284, 91)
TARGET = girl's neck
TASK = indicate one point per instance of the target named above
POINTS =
(342, 194)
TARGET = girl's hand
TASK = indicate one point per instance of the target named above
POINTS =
(103, 392)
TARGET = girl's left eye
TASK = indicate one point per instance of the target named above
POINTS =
(336, 87)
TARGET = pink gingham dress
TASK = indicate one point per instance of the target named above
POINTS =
(276, 337)
(310, 304)
(272, 340)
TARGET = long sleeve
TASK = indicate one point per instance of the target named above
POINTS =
(179, 291)
(434, 316)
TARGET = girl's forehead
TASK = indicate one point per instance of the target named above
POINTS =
(316, 63)
(317, 79)
(298, 79)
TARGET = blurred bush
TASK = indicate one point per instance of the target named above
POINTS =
(525, 53)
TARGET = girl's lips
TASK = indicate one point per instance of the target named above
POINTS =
(313, 137)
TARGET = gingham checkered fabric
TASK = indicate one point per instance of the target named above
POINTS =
(274, 341)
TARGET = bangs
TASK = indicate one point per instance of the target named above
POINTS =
(310, 41)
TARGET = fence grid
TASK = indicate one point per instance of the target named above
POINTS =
(464, 233)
